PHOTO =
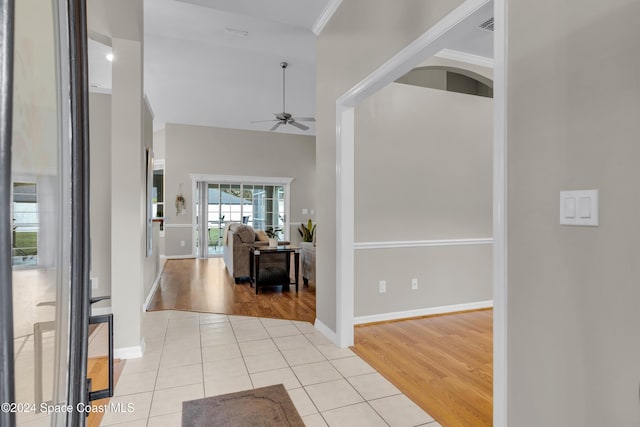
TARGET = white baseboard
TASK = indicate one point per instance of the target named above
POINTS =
(156, 283)
(134, 352)
(422, 312)
(100, 311)
(326, 331)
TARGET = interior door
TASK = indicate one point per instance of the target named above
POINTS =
(44, 229)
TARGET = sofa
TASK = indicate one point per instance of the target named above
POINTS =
(237, 240)
(308, 261)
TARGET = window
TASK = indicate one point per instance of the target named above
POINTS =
(26, 224)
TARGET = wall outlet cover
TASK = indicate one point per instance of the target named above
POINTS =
(382, 286)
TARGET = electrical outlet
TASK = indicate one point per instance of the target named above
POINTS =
(382, 286)
(94, 282)
(414, 284)
(182, 243)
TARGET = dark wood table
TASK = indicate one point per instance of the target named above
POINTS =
(257, 252)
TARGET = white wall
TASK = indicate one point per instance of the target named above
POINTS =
(361, 36)
(207, 150)
(423, 172)
(574, 103)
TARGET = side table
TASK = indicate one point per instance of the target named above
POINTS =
(258, 252)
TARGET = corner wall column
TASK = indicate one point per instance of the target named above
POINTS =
(128, 246)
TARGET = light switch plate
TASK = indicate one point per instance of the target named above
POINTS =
(579, 208)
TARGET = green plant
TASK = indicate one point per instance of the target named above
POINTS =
(307, 231)
(272, 232)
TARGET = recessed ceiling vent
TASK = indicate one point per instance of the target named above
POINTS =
(487, 25)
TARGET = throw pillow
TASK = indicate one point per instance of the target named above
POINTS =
(262, 236)
(246, 234)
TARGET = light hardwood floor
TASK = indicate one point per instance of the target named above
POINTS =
(204, 285)
(98, 371)
(443, 363)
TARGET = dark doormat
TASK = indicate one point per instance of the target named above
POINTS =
(260, 407)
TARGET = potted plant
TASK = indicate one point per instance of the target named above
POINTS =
(308, 231)
(273, 236)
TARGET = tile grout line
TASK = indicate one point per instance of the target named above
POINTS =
(164, 341)
(244, 362)
(204, 392)
(288, 364)
(296, 375)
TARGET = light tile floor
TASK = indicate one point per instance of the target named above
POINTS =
(190, 356)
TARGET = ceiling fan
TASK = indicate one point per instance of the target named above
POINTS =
(285, 118)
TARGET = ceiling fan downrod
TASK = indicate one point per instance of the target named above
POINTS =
(284, 67)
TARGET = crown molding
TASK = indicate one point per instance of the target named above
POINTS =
(468, 58)
(325, 16)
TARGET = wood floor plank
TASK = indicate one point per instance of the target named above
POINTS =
(443, 363)
(98, 371)
(205, 286)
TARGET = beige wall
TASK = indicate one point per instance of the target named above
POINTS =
(101, 170)
(206, 150)
(423, 171)
(151, 263)
(361, 35)
(159, 144)
(127, 194)
(120, 24)
(160, 154)
(573, 349)
(100, 140)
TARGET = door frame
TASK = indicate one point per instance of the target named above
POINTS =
(425, 46)
(71, 56)
(7, 368)
(240, 179)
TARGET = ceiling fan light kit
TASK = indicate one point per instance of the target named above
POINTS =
(285, 118)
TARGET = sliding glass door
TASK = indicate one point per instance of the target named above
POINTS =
(44, 302)
(261, 206)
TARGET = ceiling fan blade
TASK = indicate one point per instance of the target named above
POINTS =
(263, 121)
(305, 119)
(298, 125)
(276, 126)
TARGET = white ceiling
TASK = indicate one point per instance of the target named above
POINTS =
(196, 73)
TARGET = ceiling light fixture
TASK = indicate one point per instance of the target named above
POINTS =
(236, 33)
(110, 57)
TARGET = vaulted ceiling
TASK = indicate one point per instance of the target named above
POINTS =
(217, 62)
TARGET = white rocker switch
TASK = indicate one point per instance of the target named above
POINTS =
(579, 208)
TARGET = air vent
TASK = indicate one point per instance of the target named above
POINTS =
(487, 25)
